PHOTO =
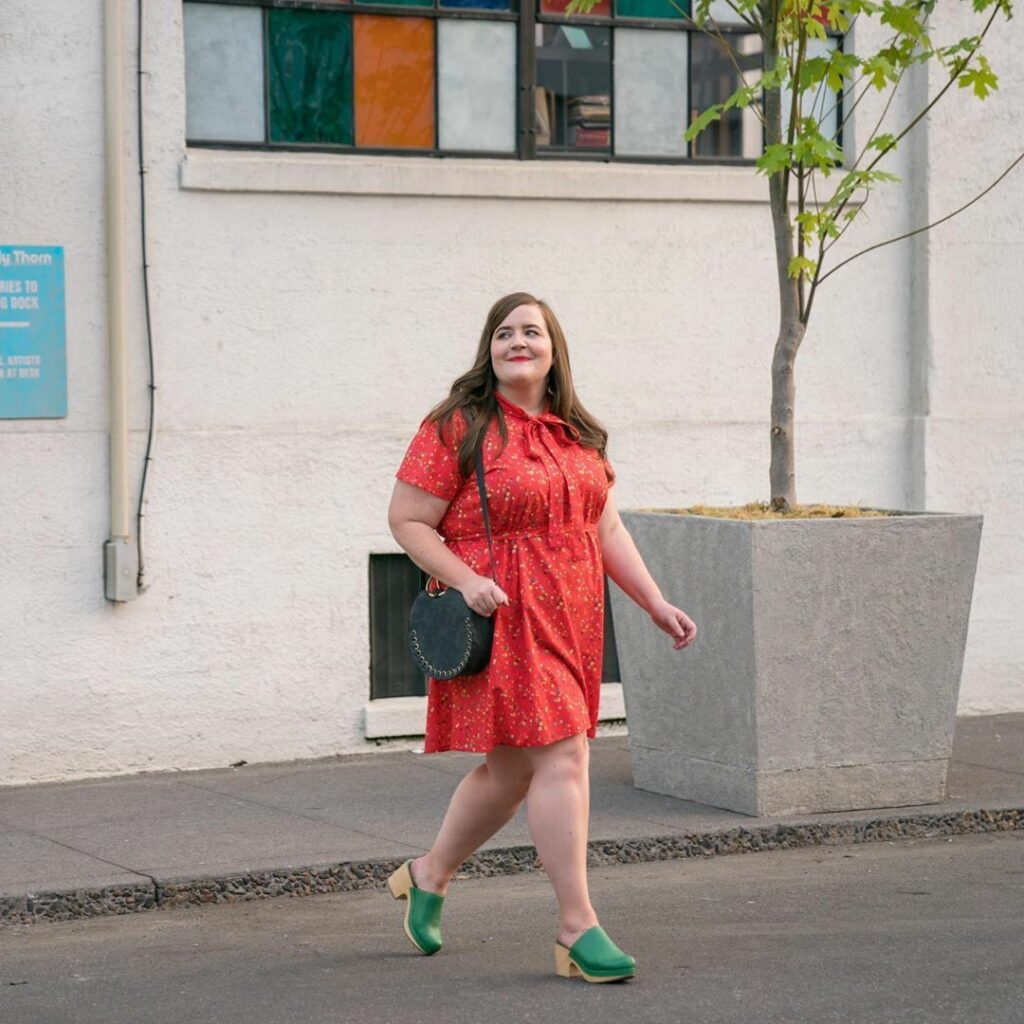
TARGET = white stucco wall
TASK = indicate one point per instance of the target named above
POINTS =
(972, 434)
(302, 332)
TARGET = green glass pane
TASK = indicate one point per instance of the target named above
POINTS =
(309, 60)
(652, 8)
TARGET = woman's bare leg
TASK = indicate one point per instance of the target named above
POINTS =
(485, 800)
(558, 812)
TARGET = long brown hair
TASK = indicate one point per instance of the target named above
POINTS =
(474, 391)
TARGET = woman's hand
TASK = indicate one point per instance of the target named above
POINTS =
(675, 622)
(482, 594)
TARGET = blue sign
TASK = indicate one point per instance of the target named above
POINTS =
(33, 362)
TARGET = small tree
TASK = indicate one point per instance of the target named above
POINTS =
(797, 154)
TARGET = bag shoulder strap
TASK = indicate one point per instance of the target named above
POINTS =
(486, 511)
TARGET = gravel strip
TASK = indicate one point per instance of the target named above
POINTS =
(39, 907)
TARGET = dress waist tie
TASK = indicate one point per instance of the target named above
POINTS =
(523, 534)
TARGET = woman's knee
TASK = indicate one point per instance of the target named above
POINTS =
(511, 768)
(569, 757)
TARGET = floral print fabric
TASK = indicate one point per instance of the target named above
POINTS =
(546, 493)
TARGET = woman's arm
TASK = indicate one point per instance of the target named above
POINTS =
(413, 516)
(625, 566)
(622, 561)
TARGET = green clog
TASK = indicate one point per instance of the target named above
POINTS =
(594, 956)
(422, 910)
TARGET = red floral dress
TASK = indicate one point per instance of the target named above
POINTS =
(546, 493)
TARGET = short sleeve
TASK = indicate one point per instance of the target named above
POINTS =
(432, 463)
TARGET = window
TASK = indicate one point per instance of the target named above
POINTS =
(395, 581)
(498, 78)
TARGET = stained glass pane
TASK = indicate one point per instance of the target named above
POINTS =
(714, 80)
(223, 73)
(721, 12)
(652, 8)
(400, 3)
(650, 92)
(477, 85)
(394, 75)
(573, 94)
(491, 5)
(602, 8)
(310, 64)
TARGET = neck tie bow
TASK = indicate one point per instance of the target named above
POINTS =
(546, 438)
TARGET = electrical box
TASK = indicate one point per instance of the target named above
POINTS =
(121, 570)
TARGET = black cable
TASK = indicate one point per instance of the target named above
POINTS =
(145, 289)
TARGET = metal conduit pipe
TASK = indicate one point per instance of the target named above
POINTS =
(120, 554)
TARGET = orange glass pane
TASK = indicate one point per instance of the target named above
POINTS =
(394, 81)
(602, 8)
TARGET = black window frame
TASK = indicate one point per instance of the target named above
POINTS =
(526, 16)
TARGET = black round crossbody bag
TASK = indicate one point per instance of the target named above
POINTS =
(446, 637)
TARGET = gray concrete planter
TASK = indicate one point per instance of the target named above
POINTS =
(826, 669)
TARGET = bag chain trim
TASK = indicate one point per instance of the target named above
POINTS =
(435, 673)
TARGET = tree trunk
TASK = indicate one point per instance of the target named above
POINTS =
(782, 471)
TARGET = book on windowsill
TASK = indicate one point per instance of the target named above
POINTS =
(583, 137)
(602, 114)
(591, 107)
(589, 112)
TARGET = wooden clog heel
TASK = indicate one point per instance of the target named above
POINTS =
(422, 921)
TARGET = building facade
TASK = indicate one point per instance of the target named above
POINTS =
(331, 207)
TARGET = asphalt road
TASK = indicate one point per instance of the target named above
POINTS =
(915, 932)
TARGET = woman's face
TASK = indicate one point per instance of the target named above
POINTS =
(521, 351)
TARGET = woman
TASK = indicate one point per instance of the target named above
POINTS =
(556, 532)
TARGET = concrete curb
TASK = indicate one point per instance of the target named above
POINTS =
(350, 876)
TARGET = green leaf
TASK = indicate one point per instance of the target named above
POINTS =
(699, 11)
(812, 71)
(713, 113)
(966, 45)
(883, 142)
(812, 149)
(742, 96)
(903, 18)
(808, 224)
(776, 157)
(837, 21)
(801, 266)
(815, 29)
(879, 69)
(982, 78)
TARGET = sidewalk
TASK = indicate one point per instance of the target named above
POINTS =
(159, 840)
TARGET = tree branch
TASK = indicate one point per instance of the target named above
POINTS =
(926, 227)
(716, 34)
(959, 71)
